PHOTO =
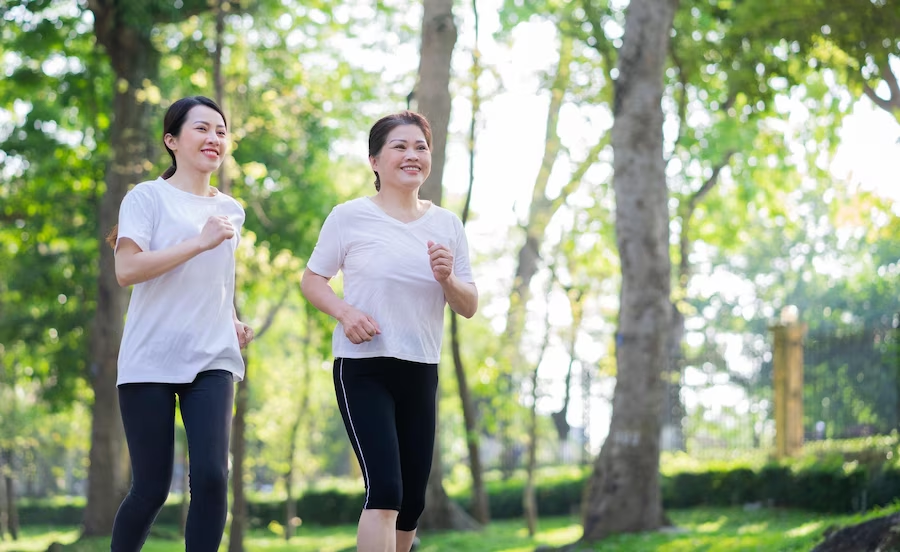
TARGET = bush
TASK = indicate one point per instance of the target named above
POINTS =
(838, 479)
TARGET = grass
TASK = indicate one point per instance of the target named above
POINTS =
(697, 530)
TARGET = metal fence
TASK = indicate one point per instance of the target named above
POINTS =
(719, 398)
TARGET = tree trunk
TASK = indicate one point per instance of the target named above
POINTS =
(4, 516)
(529, 500)
(441, 513)
(623, 493)
(12, 511)
(134, 61)
(185, 482)
(433, 89)
(290, 511)
(433, 101)
(219, 82)
(672, 414)
(480, 506)
(560, 418)
(540, 213)
(238, 453)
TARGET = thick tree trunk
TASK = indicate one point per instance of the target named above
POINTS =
(672, 431)
(134, 61)
(433, 89)
(441, 513)
(623, 494)
(433, 101)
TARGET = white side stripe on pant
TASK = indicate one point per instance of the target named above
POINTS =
(355, 437)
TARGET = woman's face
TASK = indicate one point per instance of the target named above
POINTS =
(404, 161)
(202, 142)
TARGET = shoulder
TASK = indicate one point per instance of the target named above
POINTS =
(229, 201)
(352, 208)
(447, 216)
(147, 192)
(145, 189)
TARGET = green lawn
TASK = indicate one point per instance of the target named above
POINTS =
(697, 530)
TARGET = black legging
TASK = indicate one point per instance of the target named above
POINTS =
(148, 413)
(388, 406)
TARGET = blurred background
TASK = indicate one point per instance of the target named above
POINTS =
(781, 149)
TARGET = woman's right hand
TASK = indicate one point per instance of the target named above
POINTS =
(216, 230)
(358, 326)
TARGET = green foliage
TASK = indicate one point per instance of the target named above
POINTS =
(53, 148)
(709, 529)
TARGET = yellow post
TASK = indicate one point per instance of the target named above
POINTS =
(787, 375)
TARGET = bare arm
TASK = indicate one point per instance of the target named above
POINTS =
(134, 265)
(461, 296)
(358, 326)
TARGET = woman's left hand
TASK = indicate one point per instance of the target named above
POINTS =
(244, 333)
(441, 261)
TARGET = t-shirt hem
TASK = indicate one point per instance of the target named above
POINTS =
(237, 375)
(401, 356)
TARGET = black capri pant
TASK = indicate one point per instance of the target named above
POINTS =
(388, 406)
(148, 414)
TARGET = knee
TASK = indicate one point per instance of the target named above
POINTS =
(410, 512)
(386, 494)
(153, 495)
(209, 480)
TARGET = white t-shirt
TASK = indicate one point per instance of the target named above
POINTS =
(387, 275)
(179, 323)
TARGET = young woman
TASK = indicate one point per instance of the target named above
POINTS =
(402, 259)
(175, 244)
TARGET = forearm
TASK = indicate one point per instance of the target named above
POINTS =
(461, 296)
(141, 266)
(318, 291)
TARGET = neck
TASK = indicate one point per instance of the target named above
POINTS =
(196, 183)
(400, 200)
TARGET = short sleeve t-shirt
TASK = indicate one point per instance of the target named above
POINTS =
(387, 275)
(181, 322)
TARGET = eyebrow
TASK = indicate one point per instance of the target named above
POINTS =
(404, 141)
(202, 122)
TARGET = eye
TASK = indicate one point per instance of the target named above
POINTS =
(221, 133)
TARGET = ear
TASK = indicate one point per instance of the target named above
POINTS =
(170, 141)
(373, 162)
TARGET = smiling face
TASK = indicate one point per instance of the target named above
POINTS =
(404, 161)
(199, 144)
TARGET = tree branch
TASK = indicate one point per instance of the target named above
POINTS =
(580, 171)
(270, 317)
(891, 79)
(876, 99)
(685, 238)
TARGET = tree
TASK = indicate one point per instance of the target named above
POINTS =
(432, 94)
(623, 493)
(480, 505)
(124, 30)
(857, 40)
